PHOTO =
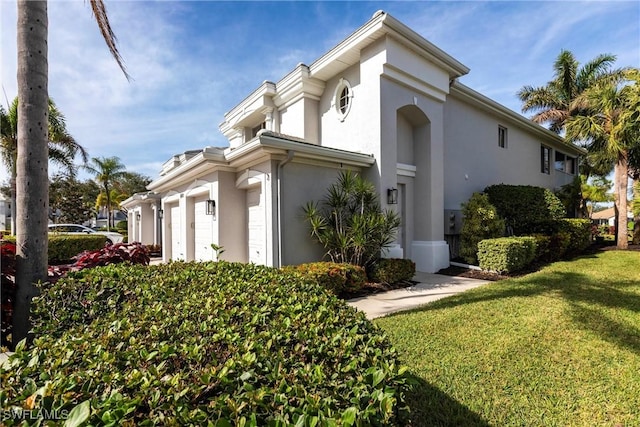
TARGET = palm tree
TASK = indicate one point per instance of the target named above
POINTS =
(107, 170)
(553, 103)
(609, 125)
(62, 147)
(113, 202)
(32, 178)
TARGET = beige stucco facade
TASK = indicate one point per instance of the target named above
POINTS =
(384, 102)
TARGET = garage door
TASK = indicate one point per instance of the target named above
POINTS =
(176, 228)
(256, 221)
(203, 231)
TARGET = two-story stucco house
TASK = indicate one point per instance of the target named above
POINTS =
(384, 102)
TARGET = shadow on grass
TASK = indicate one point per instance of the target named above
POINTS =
(432, 407)
(592, 303)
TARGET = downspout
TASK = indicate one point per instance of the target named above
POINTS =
(290, 154)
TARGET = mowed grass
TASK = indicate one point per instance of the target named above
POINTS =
(560, 347)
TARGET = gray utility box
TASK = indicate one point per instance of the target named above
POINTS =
(452, 221)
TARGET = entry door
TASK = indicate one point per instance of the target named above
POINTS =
(203, 227)
(176, 228)
(256, 226)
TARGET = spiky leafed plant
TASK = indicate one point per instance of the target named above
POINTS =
(349, 222)
(554, 102)
(32, 178)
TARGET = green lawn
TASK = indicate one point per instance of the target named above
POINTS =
(560, 347)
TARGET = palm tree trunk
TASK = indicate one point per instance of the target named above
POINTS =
(620, 193)
(32, 186)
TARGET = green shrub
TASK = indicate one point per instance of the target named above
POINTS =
(63, 247)
(122, 226)
(506, 254)
(526, 209)
(392, 270)
(333, 276)
(579, 231)
(550, 248)
(203, 344)
(480, 222)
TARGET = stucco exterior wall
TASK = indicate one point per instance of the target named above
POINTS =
(302, 183)
(474, 160)
(230, 221)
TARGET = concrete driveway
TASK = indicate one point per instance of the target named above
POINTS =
(431, 287)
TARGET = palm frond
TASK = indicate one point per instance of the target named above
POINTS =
(99, 11)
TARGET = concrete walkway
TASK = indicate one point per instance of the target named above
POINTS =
(431, 287)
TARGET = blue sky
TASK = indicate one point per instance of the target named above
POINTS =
(193, 61)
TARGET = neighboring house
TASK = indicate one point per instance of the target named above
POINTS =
(607, 217)
(384, 102)
(117, 216)
(5, 214)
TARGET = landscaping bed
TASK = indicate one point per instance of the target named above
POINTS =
(191, 343)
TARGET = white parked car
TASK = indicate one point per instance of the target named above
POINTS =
(112, 236)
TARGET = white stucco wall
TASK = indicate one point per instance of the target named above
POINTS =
(302, 183)
(474, 160)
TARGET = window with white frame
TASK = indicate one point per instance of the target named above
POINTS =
(565, 163)
(255, 130)
(342, 99)
(545, 159)
(502, 137)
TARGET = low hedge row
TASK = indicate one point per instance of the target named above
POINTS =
(332, 276)
(392, 270)
(202, 344)
(63, 247)
(506, 254)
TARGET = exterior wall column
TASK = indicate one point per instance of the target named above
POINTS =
(429, 249)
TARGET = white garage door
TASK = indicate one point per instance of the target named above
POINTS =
(176, 228)
(203, 231)
(256, 221)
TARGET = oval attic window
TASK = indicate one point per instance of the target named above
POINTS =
(342, 101)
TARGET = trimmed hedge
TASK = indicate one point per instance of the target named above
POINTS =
(525, 208)
(579, 231)
(506, 254)
(332, 276)
(392, 270)
(203, 343)
(480, 221)
(63, 247)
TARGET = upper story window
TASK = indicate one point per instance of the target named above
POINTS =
(255, 130)
(545, 159)
(565, 163)
(502, 137)
(343, 99)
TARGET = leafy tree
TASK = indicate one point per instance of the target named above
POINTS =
(62, 147)
(480, 222)
(107, 171)
(595, 191)
(32, 180)
(350, 223)
(71, 200)
(608, 123)
(131, 183)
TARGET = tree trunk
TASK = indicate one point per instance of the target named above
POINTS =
(32, 186)
(620, 193)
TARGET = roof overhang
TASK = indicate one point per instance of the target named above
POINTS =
(347, 52)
